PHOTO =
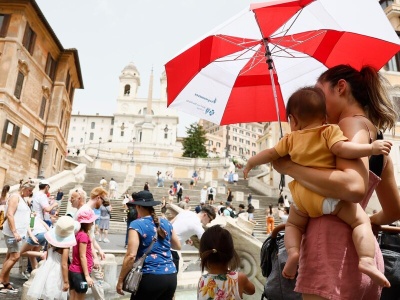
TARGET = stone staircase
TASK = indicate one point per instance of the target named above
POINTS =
(118, 224)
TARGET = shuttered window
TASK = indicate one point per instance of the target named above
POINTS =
(50, 67)
(42, 108)
(19, 84)
(37, 150)
(29, 39)
(10, 134)
(4, 22)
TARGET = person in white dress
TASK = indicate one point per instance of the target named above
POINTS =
(50, 280)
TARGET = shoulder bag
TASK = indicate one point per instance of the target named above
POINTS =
(108, 213)
(132, 279)
(273, 259)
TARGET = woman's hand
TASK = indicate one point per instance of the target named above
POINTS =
(17, 236)
(35, 240)
(65, 286)
(89, 281)
(283, 164)
(119, 288)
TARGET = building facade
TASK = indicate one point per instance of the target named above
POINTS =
(138, 125)
(237, 141)
(38, 78)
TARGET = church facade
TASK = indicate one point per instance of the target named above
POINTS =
(143, 124)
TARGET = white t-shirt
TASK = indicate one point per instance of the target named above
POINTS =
(39, 202)
(113, 185)
(203, 195)
(186, 224)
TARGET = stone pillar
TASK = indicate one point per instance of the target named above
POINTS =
(207, 175)
(238, 196)
(221, 190)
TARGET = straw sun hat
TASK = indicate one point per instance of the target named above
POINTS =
(62, 234)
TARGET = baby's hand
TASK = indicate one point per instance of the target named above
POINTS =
(246, 171)
(381, 147)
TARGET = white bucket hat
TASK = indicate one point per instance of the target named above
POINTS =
(62, 234)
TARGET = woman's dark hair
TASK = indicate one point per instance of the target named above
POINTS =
(216, 247)
(307, 104)
(161, 232)
(4, 191)
(270, 209)
(367, 88)
(146, 186)
(85, 227)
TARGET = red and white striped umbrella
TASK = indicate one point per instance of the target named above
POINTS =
(225, 77)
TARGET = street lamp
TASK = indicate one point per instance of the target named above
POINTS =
(98, 149)
(84, 141)
(133, 149)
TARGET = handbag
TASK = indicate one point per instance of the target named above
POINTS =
(273, 259)
(132, 279)
(109, 213)
(389, 242)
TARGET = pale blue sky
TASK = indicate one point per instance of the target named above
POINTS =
(110, 33)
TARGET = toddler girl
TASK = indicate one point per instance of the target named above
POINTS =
(51, 279)
(82, 258)
(219, 257)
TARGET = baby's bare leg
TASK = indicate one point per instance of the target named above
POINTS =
(363, 238)
(294, 229)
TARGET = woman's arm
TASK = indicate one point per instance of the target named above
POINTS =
(84, 266)
(129, 259)
(388, 196)
(64, 268)
(348, 181)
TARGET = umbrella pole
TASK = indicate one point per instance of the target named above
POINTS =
(271, 73)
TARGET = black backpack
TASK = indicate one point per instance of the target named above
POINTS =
(132, 213)
(232, 214)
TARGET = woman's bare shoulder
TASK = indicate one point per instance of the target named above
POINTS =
(358, 129)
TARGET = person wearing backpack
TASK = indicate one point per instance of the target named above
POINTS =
(179, 193)
(131, 215)
(228, 212)
(210, 197)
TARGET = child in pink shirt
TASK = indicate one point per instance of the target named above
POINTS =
(82, 259)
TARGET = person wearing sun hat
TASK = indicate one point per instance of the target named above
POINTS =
(158, 266)
(98, 196)
(82, 256)
(51, 279)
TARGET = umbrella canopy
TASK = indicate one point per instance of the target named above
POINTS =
(225, 78)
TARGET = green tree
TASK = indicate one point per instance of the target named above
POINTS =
(194, 143)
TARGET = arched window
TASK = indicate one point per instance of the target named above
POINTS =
(127, 90)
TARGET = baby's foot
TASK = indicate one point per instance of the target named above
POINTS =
(290, 269)
(367, 266)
